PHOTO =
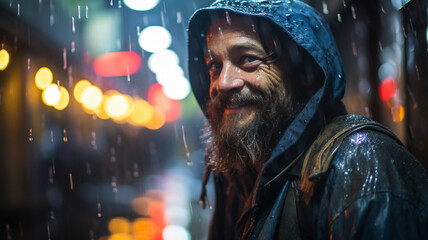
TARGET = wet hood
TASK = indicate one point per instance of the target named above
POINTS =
(305, 26)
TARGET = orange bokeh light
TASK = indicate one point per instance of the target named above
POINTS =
(171, 108)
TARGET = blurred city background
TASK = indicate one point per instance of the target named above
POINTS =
(99, 130)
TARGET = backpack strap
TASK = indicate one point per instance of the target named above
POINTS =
(319, 156)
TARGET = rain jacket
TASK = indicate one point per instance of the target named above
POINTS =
(331, 175)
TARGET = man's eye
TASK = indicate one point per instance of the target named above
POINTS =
(251, 59)
(214, 66)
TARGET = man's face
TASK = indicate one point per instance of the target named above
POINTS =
(249, 105)
(238, 73)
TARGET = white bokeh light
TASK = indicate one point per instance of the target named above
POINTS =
(141, 5)
(173, 232)
(162, 60)
(177, 89)
(51, 95)
(154, 39)
(167, 75)
(177, 215)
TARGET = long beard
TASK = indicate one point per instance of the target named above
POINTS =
(232, 148)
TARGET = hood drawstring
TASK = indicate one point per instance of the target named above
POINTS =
(205, 179)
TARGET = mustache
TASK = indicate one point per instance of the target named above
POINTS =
(221, 101)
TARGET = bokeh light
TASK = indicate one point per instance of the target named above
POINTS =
(177, 89)
(4, 59)
(120, 236)
(117, 64)
(171, 108)
(157, 120)
(154, 39)
(173, 232)
(397, 113)
(117, 106)
(51, 95)
(79, 88)
(91, 97)
(144, 229)
(119, 225)
(141, 5)
(43, 78)
(177, 215)
(387, 89)
(142, 112)
(165, 76)
(162, 60)
(63, 99)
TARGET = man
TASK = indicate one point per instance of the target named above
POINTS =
(288, 162)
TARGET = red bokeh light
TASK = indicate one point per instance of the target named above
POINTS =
(387, 89)
(117, 64)
(156, 97)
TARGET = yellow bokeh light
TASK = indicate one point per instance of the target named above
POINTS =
(51, 95)
(99, 111)
(120, 236)
(144, 229)
(43, 78)
(397, 113)
(141, 113)
(63, 99)
(119, 225)
(92, 97)
(117, 106)
(79, 88)
(157, 120)
(4, 59)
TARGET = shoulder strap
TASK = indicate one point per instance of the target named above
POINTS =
(318, 157)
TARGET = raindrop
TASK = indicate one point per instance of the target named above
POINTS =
(51, 19)
(344, 3)
(111, 2)
(189, 163)
(135, 173)
(254, 27)
(221, 33)
(49, 232)
(324, 8)
(9, 236)
(163, 19)
(339, 18)
(73, 28)
(412, 99)
(210, 54)
(404, 32)
(71, 182)
(380, 46)
(88, 169)
(112, 155)
(52, 216)
(50, 174)
(10, 3)
(78, 11)
(179, 18)
(51, 136)
(138, 31)
(191, 209)
(28, 63)
(119, 4)
(354, 15)
(119, 140)
(70, 77)
(209, 202)
(228, 18)
(19, 9)
(354, 49)
(92, 235)
(418, 76)
(73, 46)
(94, 140)
(87, 10)
(30, 137)
(53, 166)
(128, 77)
(99, 209)
(65, 138)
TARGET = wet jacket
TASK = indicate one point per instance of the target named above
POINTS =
(331, 175)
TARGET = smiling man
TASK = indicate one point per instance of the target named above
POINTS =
(288, 161)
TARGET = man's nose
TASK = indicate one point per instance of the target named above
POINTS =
(230, 79)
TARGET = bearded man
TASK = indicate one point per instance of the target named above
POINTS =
(288, 161)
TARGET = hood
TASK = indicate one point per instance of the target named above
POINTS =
(305, 26)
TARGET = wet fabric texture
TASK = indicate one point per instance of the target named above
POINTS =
(364, 185)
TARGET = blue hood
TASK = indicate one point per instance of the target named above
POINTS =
(305, 26)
